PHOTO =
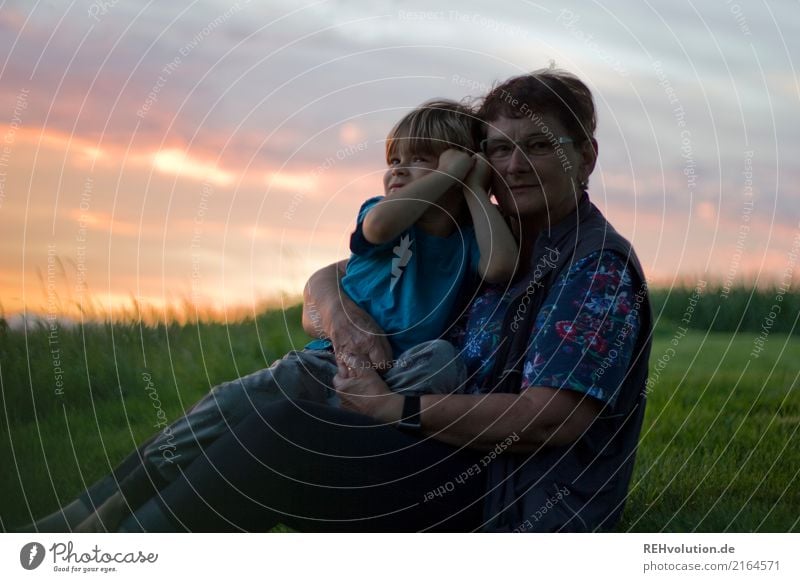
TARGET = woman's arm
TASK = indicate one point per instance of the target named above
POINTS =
(538, 416)
(321, 287)
(329, 313)
(499, 250)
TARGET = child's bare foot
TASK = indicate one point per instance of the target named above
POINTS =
(107, 517)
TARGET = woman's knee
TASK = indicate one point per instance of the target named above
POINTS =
(296, 419)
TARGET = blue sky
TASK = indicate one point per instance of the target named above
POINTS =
(218, 151)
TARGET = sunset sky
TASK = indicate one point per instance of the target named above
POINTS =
(216, 152)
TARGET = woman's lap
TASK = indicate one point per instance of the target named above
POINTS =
(318, 468)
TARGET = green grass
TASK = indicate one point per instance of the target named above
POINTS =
(52, 445)
(719, 448)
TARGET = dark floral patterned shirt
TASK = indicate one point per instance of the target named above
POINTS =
(583, 336)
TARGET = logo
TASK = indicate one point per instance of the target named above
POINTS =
(402, 252)
(31, 555)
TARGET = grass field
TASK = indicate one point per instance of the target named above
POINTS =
(719, 451)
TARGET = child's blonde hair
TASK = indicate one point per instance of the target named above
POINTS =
(432, 128)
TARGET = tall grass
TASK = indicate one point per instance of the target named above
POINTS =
(101, 361)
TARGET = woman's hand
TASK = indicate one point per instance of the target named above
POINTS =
(362, 390)
(358, 341)
(329, 313)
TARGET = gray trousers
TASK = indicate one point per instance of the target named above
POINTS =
(432, 367)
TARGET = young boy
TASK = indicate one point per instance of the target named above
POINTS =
(419, 249)
(414, 256)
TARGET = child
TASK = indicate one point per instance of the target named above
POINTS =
(415, 251)
(414, 255)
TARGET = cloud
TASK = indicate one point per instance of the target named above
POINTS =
(178, 163)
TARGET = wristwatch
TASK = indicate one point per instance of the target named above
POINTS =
(411, 420)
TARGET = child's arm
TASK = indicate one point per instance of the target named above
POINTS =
(399, 210)
(499, 249)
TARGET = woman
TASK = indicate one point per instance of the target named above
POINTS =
(545, 438)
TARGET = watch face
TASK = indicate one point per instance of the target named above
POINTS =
(411, 418)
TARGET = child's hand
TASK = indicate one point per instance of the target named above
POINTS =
(480, 174)
(455, 163)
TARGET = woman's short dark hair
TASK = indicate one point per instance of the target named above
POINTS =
(544, 92)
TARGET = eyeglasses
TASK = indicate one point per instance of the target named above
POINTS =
(500, 150)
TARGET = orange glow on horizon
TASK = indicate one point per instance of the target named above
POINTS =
(94, 307)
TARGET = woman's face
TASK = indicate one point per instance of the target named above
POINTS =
(541, 178)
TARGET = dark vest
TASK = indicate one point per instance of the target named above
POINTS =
(582, 486)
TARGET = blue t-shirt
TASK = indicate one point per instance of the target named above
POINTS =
(412, 285)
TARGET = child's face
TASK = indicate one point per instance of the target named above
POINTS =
(405, 167)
